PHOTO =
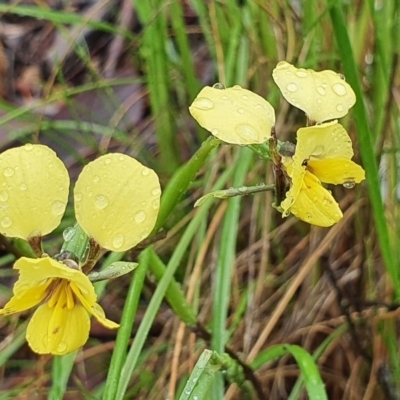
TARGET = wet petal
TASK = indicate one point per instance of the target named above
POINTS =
(323, 95)
(58, 330)
(117, 201)
(329, 140)
(34, 187)
(315, 205)
(234, 115)
(336, 171)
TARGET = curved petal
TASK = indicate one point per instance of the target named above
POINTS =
(329, 140)
(94, 309)
(323, 95)
(117, 201)
(315, 205)
(58, 330)
(34, 187)
(25, 298)
(234, 115)
(336, 171)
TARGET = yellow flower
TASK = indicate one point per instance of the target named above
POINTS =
(234, 115)
(323, 95)
(323, 154)
(61, 323)
(116, 203)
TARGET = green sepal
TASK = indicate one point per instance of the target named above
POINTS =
(114, 270)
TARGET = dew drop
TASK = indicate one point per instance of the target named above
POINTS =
(100, 201)
(237, 87)
(244, 97)
(8, 172)
(215, 131)
(96, 179)
(121, 158)
(203, 103)
(145, 171)
(78, 196)
(321, 90)
(57, 207)
(156, 204)
(243, 189)
(292, 87)
(61, 347)
(339, 89)
(339, 108)
(107, 160)
(22, 186)
(301, 73)
(6, 222)
(3, 196)
(118, 241)
(224, 97)
(246, 131)
(349, 184)
(156, 191)
(219, 86)
(140, 216)
(240, 111)
(68, 234)
(28, 147)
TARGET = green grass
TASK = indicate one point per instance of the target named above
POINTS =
(217, 275)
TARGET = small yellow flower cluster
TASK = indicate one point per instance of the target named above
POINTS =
(323, 151)
(116, 204)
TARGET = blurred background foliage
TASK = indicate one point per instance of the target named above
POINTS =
(91, 76)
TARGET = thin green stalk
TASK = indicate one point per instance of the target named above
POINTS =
(125, 331)
(61, 371)
(224, 268)
(365, 139)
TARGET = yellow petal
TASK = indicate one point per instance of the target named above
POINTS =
(314, 204)
(329, 140)
(35, 271)
(58, 330)
(234, 115)
(94, 309)
(117, 201)
(321, 95)
(336, 171)
(25, 298)
(34, 187)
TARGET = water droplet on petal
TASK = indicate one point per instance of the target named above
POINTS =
(107, 160)
(156, 204)
(8, 172)
(215, 131)
(244, 97)
(349, 184)
(301, 73)
(237, 87)
(78, 196)
(57, 207)
(321, 90)
(292, 87)
(145, 171)
(240, 111)
(203, 103)
(96, 179)
(121, 157)
(219, 86)
(28, 147)
(339, 89)
(61, 347)
(100, 201)
(224, 97)
(3, 196)
(118, 241)
(22, 186)
(339, 107)
(156, 191)
(140, 216)
(246, 131)
(6, 222)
